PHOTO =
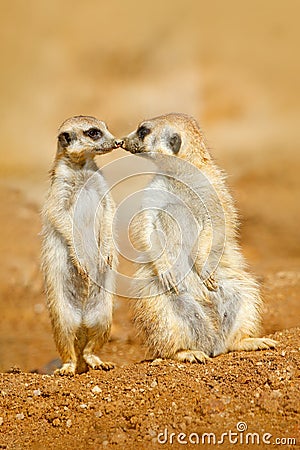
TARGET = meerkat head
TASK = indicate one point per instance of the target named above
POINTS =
(85, 136)
(171, 134)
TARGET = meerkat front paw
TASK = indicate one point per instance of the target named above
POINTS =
(110, 261)
(192, 356)
(209, 280)
(96, 363)
(82, 271)
(168, 281)
(67, 369)
(211, 283)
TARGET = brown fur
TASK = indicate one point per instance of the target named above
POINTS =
(201, 314)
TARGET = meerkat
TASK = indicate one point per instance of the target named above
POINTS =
(78, 254)
(193, 296)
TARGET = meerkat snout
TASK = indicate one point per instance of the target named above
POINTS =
(119, 143)
(135, 141)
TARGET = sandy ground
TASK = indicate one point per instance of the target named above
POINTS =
(140, 405)
(235, 67)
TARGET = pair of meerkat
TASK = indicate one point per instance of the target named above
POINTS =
(193, 298)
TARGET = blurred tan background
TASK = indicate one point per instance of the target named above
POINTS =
(234, 65)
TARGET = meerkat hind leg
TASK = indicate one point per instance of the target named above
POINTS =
(66, 349)
(68, 355)
(251, 344)
(67, 369)
(193, 356)
(93, 360)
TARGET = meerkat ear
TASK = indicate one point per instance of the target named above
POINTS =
(175, 143)
(65, 139)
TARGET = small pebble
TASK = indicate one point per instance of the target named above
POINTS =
(37, 392)
(56, 422)
(20, 416)
(96, 390)
(156, 362)
(188, 420)
(69, 423)
(152, 433)
(83, 406)
(153, 384)
(1, 421)
(98, 414)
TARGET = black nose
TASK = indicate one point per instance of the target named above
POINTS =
(119, 143)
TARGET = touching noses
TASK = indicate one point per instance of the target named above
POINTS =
(119, 143)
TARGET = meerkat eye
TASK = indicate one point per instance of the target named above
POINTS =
(65, 139)
(175, 143)
(142, 132)
(93, 133)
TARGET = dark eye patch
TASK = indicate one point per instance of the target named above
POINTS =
(65, 139)
(93, 133)
(175, 143)
(142, 132)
